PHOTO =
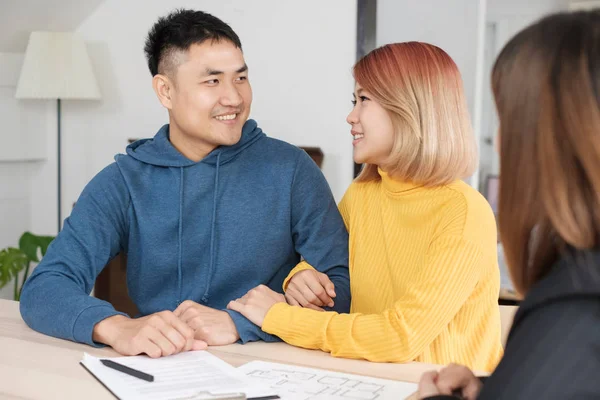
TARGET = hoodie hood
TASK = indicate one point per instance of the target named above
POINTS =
(160, 152)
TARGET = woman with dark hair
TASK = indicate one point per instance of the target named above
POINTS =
(546, 84)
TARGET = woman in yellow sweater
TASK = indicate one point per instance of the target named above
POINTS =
(423, 266)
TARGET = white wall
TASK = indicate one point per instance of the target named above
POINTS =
(22, 151)
(14, 209)
(19, 18)
(455, 26)
(24, 122)
(534, 9)
(300, 55)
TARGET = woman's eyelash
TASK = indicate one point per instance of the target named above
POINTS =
(362, 98)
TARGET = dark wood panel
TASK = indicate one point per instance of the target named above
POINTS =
(111, 286)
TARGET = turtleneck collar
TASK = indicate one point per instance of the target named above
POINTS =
(396, 186)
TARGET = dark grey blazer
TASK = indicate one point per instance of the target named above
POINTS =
(553, 349)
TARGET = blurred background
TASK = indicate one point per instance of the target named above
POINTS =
(300, 55)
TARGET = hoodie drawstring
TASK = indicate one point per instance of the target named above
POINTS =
(179, 256)
(212, 231)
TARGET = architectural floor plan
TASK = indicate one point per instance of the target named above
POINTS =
(298, 383)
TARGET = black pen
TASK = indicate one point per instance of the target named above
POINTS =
(127, 370)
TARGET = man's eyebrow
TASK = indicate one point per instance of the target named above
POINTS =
(209, 71)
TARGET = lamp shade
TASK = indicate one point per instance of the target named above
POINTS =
(56, 66)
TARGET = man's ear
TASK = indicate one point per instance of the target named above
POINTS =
(163, 87)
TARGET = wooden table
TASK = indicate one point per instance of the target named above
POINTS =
(36, 366)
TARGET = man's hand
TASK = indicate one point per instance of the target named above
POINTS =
(160, 334)
(256, 303)
(454, 379)
(215, 327)
(310, 289)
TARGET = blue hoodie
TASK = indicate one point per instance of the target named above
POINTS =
(207, 231)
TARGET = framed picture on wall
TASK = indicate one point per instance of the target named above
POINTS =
(492, 186)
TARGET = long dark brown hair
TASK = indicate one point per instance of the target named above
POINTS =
(546, 84)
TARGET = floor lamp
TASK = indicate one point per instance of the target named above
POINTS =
(57, 67)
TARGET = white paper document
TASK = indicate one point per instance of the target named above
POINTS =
(299, 383)
(179, 377)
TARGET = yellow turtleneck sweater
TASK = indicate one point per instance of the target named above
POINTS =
(424, 280)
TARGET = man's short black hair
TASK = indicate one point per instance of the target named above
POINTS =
(177, 32)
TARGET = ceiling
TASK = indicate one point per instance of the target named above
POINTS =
(20, 17)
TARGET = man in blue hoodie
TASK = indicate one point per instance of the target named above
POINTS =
(206, 210)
